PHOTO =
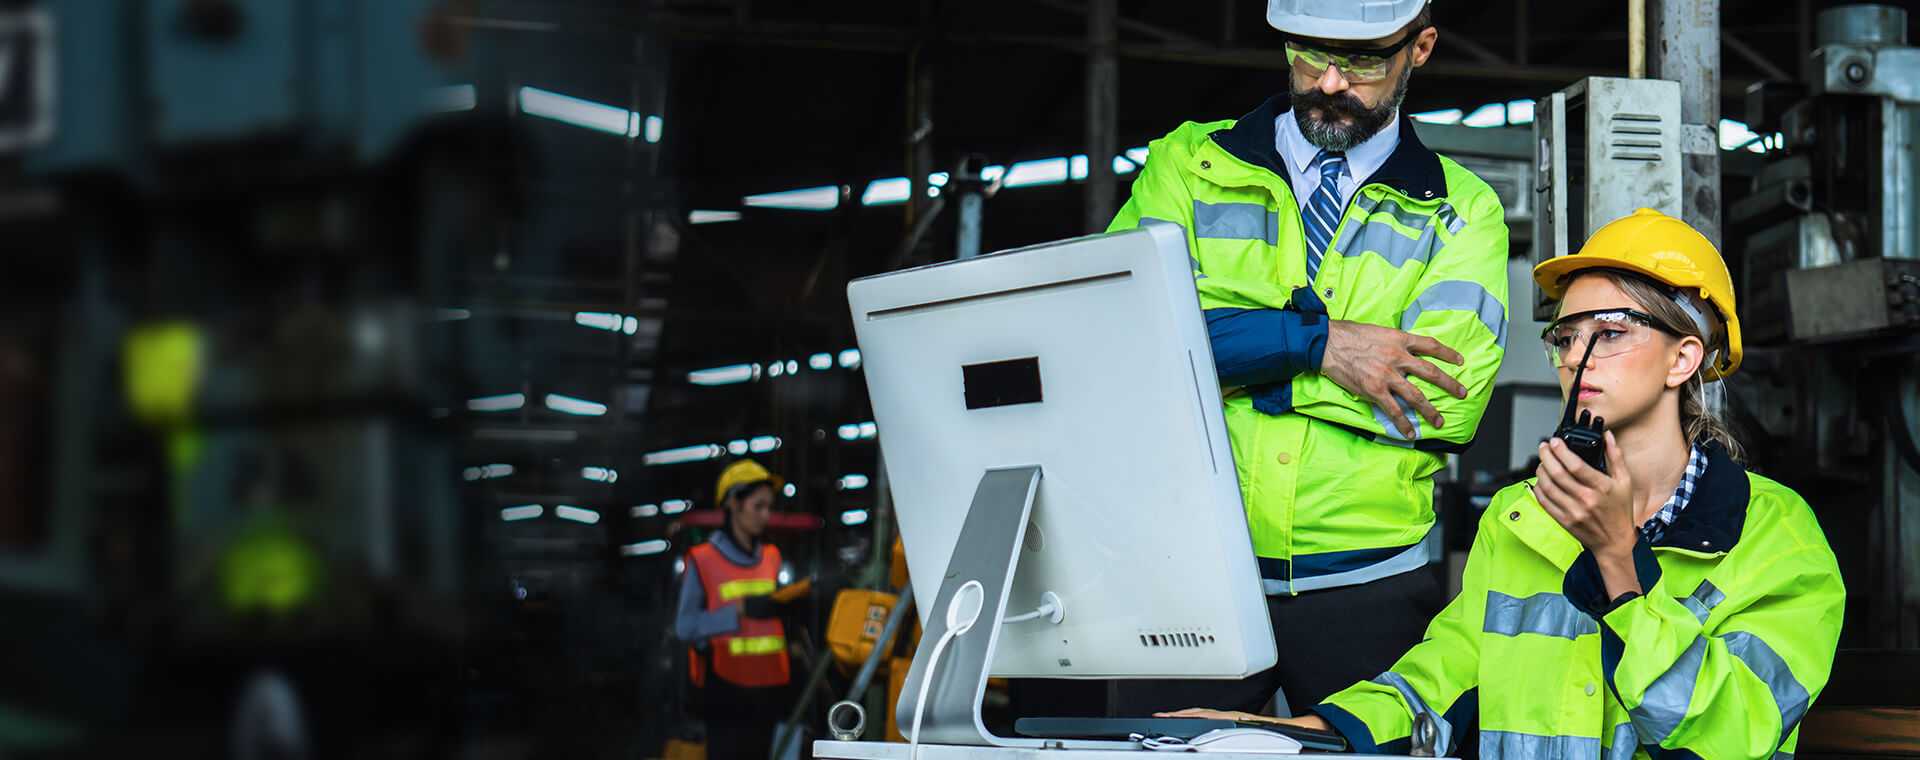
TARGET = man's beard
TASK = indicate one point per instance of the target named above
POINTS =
(1343, 121)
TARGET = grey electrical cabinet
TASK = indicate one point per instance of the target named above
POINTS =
(1603, 148)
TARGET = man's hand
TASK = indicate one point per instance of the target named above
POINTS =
(1309, 721)
(1374, 362)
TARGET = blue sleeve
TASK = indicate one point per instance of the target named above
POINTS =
(1586, 590)
(693, 623)
(1262, 346)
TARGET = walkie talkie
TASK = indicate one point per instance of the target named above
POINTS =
(1587, 437)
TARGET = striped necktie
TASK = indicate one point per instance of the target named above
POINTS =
(1323, 210)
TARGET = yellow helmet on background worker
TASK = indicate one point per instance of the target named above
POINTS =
(1665, 250)
(742, 473)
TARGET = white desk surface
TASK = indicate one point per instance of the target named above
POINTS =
(832, 750)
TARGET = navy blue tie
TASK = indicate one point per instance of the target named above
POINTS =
(1323, 210)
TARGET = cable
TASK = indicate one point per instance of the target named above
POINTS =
(962, 610)
(1050, 608)
(920, 705)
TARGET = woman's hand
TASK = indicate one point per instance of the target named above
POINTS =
(1596, 507)
(1313, 722)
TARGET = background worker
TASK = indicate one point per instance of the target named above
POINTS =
(737, 643)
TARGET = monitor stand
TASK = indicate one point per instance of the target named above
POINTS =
(951, 727)
(987, 551)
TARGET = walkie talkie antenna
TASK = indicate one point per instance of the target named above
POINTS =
(1573, 393)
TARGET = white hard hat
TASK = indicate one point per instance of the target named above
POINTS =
(1342, 19)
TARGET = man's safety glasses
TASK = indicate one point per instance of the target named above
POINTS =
(1356, 64)
(1614, 331)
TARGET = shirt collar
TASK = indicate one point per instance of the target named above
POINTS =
(1656, 526)
(1362, 161)
(1411, 168)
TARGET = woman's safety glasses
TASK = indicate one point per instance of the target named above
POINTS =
(1356, 64)
(1614, 332)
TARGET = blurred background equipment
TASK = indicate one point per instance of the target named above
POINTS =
(366, 366)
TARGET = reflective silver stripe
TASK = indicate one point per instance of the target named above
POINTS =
(1235, 221)
(1665, 703)
(1415, 221)
(1397, 249)
(1788, 694)
(1545, 613)
(1413, 558)
(1703, 600)
(1148, 221)
(1419, 707)
(1460, 295)
(1507, 745)
(1625, 741)
(1389, 243)
(1449, 217)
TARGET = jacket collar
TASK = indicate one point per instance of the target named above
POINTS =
(1717, 512)
(1411, 169)
(733, 551)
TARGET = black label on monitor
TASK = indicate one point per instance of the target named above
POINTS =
(1014, 381)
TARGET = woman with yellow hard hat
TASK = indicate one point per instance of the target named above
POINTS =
(1666, 603)
(737, 644)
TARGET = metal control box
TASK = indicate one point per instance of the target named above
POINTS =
(1602, 149)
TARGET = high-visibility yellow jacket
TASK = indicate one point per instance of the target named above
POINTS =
(1719, 658)
(1334, 494)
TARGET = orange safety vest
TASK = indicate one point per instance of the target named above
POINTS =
(756, 654)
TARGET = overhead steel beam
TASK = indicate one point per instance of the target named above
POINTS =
(899, 41)
(1475, 49)
(1752, 56)
(1136, 26)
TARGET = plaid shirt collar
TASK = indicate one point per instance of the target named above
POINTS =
(1656, 526)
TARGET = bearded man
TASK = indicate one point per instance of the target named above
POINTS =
(1337, 260)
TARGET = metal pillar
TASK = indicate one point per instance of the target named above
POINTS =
(1103, 140)
(919, 132)
(1522, 32)
(919, 142)
(1683, 45)
(967, 185)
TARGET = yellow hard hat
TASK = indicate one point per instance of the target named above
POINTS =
(743, 472)
(1663, 249)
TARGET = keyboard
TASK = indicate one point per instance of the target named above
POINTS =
(1121, 729)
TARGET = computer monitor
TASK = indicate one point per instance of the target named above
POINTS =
(1072, 383)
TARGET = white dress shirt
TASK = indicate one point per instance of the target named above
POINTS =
(1301, 158)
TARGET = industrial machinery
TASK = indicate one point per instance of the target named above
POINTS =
(1825, 252)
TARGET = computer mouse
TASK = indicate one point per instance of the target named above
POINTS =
(1245, 740)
